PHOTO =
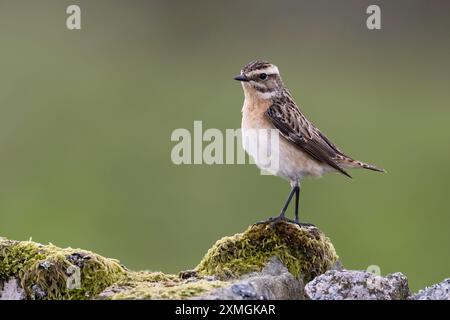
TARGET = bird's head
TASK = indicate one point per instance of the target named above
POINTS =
(260, 78)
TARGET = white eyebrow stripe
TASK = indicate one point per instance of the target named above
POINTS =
(268, 70)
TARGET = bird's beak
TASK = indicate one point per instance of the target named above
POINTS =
(241, 77)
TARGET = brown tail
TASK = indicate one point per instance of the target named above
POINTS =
(351, 163)
(370, 167)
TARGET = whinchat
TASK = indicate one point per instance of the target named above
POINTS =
(302, 150)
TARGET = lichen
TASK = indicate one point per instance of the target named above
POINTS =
(157, 285)
(49, 272)
(304, 250)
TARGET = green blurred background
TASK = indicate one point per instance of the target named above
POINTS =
(86, 118)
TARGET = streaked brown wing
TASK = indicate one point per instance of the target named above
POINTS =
(286, 117)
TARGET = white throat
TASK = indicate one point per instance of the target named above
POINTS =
(266, 95)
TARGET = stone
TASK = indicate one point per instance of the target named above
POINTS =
(357, 285)
(273, 282)
(11, 290)
(440, 291)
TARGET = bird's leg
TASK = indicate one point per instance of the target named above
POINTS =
(281, 216)
(288, 201)
(297, 200)
(295, 190)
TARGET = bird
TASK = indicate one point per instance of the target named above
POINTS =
(302, 149)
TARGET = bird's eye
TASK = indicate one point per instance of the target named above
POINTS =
(263, 76)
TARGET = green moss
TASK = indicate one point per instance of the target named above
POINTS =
(305, 251)
(157, 285)
(46, 271)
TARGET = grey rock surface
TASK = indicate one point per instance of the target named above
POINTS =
(440, 291)
(274, 282)
(357, 285)
(11, 290)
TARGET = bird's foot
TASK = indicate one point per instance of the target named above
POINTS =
(274, 220)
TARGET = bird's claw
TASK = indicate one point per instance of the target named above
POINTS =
(274, 220)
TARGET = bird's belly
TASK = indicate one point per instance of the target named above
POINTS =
(273, 153)
(262, 146)
(295, 164)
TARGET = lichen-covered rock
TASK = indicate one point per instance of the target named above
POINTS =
(11, 290)
(49, 272)
(304, 250)
(157, 285)
(357, 285)
(274, 282)
(440, 291)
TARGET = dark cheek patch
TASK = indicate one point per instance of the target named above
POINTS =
(266, 87)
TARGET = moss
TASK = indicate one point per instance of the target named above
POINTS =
(46, 271)
(305, 251)
(157, 285)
